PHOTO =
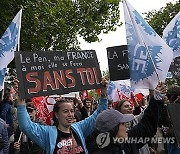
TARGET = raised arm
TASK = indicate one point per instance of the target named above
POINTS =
(87, 126)
(147, 126)
(36, 132)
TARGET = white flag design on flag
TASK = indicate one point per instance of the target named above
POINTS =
(142, 42)
(171, 35)
(122, 87)
(9, 41)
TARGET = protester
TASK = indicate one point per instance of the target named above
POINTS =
(112, 125)
(6, 111)
(173, 95)
(88, 105)
(4, 143)
(23, 144)
(65, 136)
(80, 110)
(110, 104)
(125, 107)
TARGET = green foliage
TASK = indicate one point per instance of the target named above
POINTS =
(161, 18)
(93, 94)
(106, 74)
(172, 81)
(56, 24)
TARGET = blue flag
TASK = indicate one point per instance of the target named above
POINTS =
(171, 35)
(8, 45)
(149, 55)
(9, 41)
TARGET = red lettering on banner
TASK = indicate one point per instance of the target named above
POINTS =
(59, 78)
(67, 72)
(36, 81)
(96, 75)
(80, 71)
(90, 76)
(48, 81)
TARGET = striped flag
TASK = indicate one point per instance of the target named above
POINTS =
(149, 55)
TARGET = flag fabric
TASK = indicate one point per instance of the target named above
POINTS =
(171, 35)
(121, 89)
(44, 111)
(98, 91)
(84, 95)
(9, 41)
(2, 77)
(146, 51)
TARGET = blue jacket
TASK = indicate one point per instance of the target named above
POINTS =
(45, 136)
(173, 149)
(7, 116)
(4, 137)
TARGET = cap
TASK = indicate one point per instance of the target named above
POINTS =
(30, 105)
(110, 118)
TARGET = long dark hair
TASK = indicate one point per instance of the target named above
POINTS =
(119, 104)
(56, 110)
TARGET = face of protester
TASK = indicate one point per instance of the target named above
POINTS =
(65, 115)
(126, 108)
(122, 131)
(32, 114)
(110, 106)
(143, 102)
(88, 104)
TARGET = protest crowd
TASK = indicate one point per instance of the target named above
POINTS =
(82, 125)
(133, 111)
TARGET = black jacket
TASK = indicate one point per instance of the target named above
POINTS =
(147, 127)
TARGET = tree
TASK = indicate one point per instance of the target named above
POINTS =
(106, 74)
(161, 18)
(57, 24)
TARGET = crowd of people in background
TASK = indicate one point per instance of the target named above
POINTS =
(78, 124)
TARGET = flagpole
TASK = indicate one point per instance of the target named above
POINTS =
(118, 94)
(143, 42)
(18, 45)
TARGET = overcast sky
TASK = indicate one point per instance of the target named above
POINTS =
(119, 37)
